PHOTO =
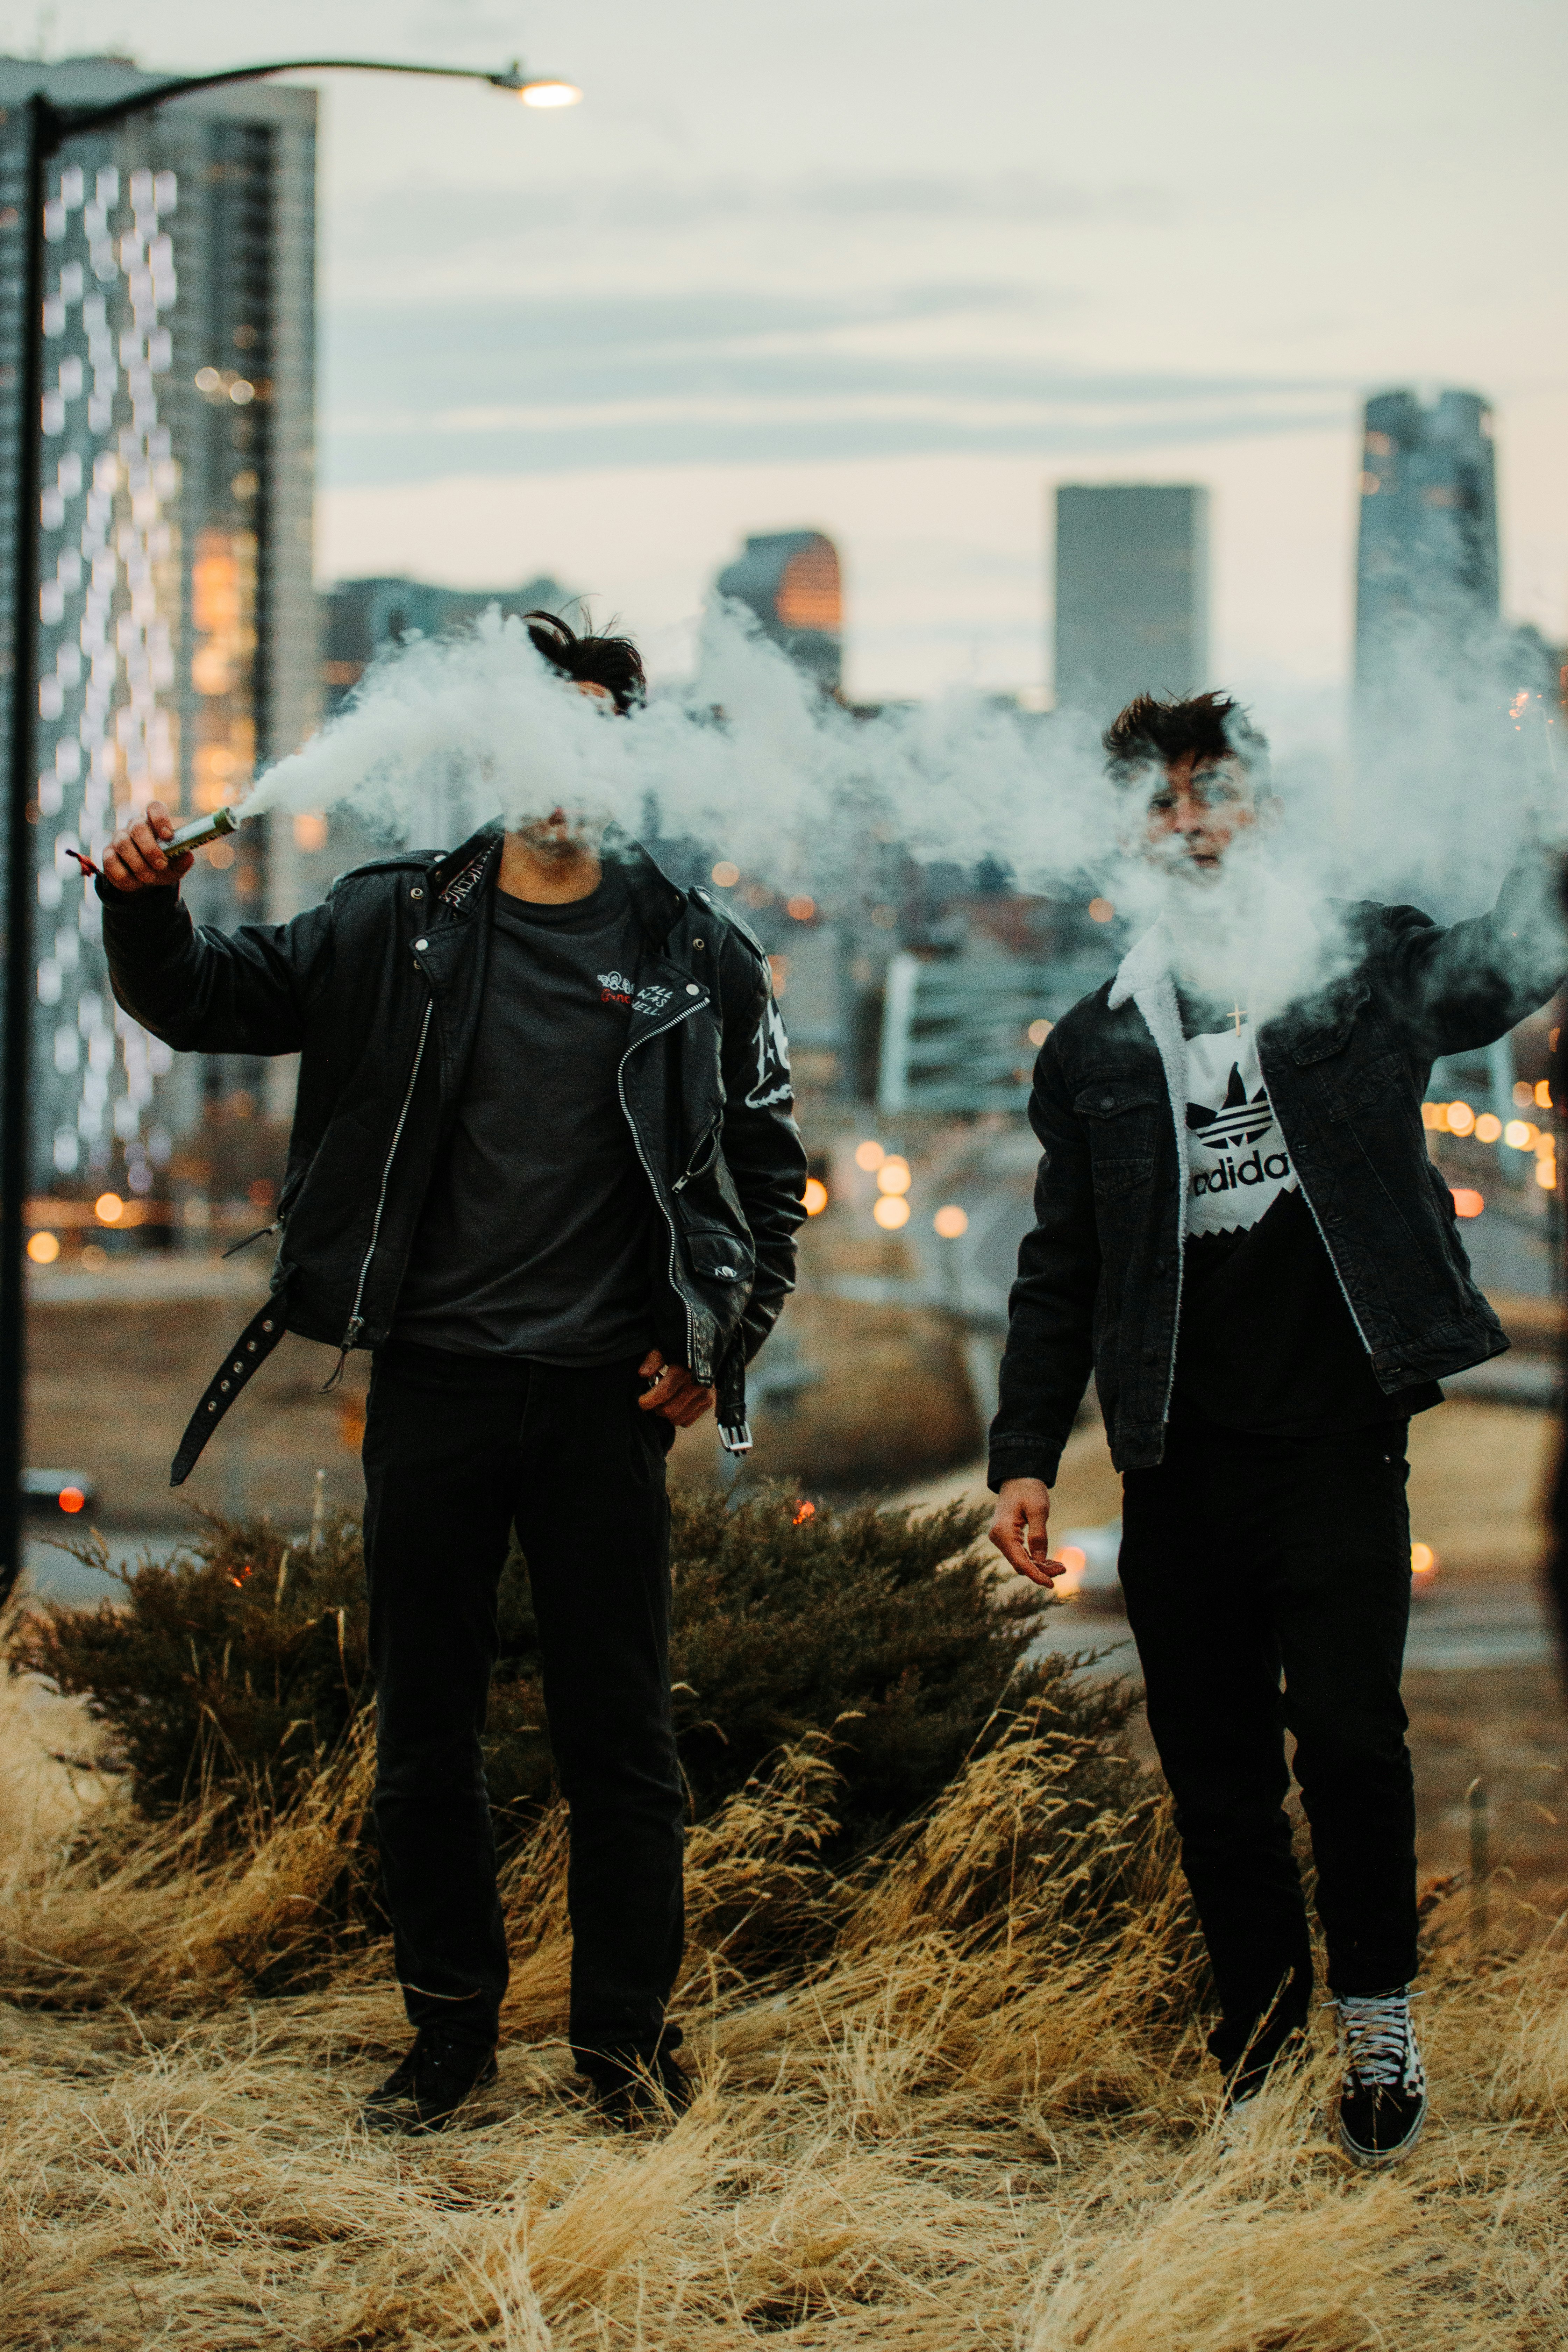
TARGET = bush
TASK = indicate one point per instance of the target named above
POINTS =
(242, 1660)
(239, 1662)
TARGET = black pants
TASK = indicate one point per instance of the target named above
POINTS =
(1242, 1557)
(457, 1449)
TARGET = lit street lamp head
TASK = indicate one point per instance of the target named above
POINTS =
(537, 89)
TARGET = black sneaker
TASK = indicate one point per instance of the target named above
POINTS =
(656, 2091)
(427, 2087)
(1382, 2097)
(1262, 2064)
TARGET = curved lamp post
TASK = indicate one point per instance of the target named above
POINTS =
(48, 126)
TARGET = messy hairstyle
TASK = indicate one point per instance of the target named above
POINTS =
(1210, 726)
(614, 662)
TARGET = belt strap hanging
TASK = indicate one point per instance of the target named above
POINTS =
(251, 1349)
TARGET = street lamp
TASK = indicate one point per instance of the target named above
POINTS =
(45, 126)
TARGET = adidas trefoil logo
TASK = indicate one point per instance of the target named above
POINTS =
(1236, 1122)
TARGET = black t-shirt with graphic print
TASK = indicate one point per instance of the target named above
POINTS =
(1267, 1342)
(534, 1237)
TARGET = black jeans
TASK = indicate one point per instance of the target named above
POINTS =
(1242, 1557)
(456, 1450)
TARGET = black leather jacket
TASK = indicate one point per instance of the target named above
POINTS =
(1099, 1276)
(378, 990)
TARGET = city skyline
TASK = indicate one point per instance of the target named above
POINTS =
(727, 293)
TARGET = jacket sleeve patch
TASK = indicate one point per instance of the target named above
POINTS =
(772, 1083)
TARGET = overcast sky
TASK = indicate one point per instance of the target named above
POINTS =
(893, 269)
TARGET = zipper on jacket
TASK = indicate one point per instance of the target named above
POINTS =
(356, 1320)
(684, 1014)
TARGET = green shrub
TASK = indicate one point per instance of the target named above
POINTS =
(241, 1661)
(238, 1661)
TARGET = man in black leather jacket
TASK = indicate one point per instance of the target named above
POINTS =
(544, 1164)
(1238, 1229)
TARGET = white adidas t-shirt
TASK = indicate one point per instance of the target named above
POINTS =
(1237, 1165)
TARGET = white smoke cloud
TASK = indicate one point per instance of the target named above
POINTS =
(751, 759)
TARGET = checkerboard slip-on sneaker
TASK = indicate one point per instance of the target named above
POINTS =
(1382, 2094)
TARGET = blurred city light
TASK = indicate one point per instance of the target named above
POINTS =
(1546, 1174)
(725, 874)
(868, 1155)
(892, 1212)
(551, 92)
(816, 1196)
(893, 1176)
(951, 1221)
(1520, 1135)
(1468, 1204)
(802, 909)
(108, 1208)
(1422, 1561)
(1488, 1127)
(1461, 1119)
(1100, 910)
(42, 1249)
(1038, 1032)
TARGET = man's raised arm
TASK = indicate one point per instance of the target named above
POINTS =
(203, 991)
(1464, 987)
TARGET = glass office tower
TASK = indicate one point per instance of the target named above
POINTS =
(177, 613)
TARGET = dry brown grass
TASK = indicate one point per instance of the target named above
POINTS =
(984, 2121)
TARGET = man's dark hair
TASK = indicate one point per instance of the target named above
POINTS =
(1210, 726)
(611, 661)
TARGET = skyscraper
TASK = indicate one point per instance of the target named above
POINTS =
(359, 618)
(1426, 560)
(791, 581)
(1131, 593)
(177, 612)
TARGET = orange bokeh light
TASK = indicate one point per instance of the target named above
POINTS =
(1468, 1204)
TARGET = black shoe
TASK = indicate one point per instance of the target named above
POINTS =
(656, 2091)
(425, 2090)
(1382, 2099)
(1263, 2065)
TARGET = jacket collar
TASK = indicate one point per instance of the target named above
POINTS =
(1143, 978)
(458, 879)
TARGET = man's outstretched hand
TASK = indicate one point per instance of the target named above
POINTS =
(1018, 1529)
(135, 859)
(674, 1392)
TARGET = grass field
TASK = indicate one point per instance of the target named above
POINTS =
(980, 2117)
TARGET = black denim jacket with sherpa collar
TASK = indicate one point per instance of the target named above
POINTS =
(378, 991)
(1347, 1066)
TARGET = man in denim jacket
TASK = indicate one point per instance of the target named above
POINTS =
(1239, 1230)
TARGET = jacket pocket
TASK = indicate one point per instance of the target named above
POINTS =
(1362, 1086)
(1120, 1118)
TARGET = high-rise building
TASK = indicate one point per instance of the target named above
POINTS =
(791, 581)
(177, 612)
(359, 618)
(1426, 560)
(1131, 593)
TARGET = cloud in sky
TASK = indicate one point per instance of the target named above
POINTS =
(570, 380)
